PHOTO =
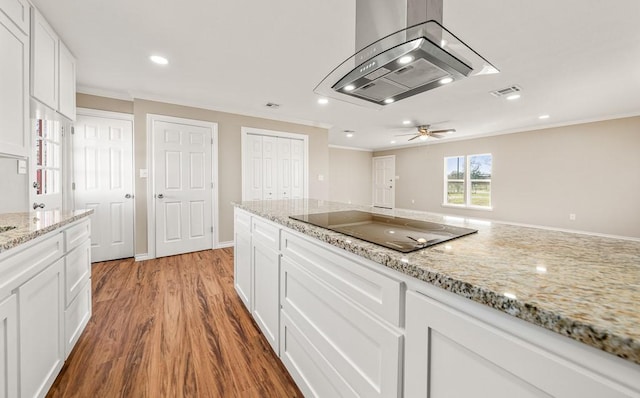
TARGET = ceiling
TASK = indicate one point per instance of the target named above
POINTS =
(575, 60)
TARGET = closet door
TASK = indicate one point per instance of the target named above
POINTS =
(284, 168)
(297, 169)
(269, 168)
(253, 168)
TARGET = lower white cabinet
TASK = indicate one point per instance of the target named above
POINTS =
(242, 256)
(9, 347)
(45, 304)
(41, 330)
(450, 353)
(265, 264)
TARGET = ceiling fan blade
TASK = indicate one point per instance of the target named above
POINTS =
(411, 139)
(400, 135)
(443, 131)
(435, 136)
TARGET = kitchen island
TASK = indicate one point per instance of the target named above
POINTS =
(523, 295)
(45, 295)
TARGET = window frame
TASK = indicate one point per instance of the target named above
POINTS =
(467, 181)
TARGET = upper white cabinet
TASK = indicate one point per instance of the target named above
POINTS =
(14, 78)
(67, 82)
(53, 68)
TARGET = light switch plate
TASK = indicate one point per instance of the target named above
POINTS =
(22, 166)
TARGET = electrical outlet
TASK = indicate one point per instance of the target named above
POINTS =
(572, 217)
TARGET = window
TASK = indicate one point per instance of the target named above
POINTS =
(467, 180)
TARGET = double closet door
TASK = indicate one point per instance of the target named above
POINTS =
(274, 167)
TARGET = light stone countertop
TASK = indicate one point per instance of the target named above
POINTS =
(582, 286)
(30, 225)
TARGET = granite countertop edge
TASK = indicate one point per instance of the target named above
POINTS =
(620, 346)
(23, 234)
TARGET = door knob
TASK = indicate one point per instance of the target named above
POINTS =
(160, 196)
(36, 205)
(128, 196)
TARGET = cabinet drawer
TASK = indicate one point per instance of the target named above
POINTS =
(242, 221)
(76, 234)
(18, 12)
(77, 265)
(27, 261)
(362, 349)
(376, 292)
(265, 232)
(76, 317)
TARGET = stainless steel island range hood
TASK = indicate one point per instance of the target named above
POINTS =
(402, 49)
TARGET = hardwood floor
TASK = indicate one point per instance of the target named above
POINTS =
(171, 327)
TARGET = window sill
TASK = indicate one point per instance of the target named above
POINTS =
(482, 208)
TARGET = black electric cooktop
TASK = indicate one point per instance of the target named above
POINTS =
(397, 233)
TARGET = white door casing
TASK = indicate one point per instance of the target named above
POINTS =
(183, 180)
(274, 165)
(384, 183)
(103, 177)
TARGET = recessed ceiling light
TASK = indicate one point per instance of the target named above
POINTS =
(388, 100)
(543, 117)
(446, 80)
(513, 97)
(406, 122)
(323, 101)
(349, 135)
(392, 142)
(159, 60)
(443, 43)
(349, 87)
(405, 60)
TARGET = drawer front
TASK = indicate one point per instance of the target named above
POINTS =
(362, 349)
(18, 12)
(242, 220)
(76, 317)
(76, 234)
(77, 266)
(265, 232)
(376, 292)
(28, 261)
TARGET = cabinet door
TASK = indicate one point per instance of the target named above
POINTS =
(242, 257)
(41, 306)
(44, 61)
(451, 354)
(266, 300)
(76, 317)
(67, 82)
(14, 93)
(8, 348)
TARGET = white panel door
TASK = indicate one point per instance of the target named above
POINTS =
(269, 167)
(182, 186)
(284, 168)
(384, 170)
(253, 165)
(297, 169)
(103, 174)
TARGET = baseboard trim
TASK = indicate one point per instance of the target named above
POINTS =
(222, 245)
(142, 257)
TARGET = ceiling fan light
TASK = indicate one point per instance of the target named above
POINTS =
(424, 137)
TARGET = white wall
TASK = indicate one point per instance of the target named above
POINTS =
(541, 176)
(13, 187)
(350, 176)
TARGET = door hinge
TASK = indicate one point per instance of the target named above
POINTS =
(73, 186)
(73, 130)
(211, 141)
(211, 229)
(211, 185)
(62, 131)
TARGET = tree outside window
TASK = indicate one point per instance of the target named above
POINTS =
(468, 180)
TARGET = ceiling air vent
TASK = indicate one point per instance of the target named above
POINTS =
(506, 91)
(272, 105)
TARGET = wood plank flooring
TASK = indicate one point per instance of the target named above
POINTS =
(171, 327)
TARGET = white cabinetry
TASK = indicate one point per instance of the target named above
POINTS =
(41, 303)
(265, 266)
(451, 353)
(45, 304)
(242, 256)
(53, 68)
(273, 167)
(9, 347)
(14, 78)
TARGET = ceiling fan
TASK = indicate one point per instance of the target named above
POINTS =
(425, 132)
